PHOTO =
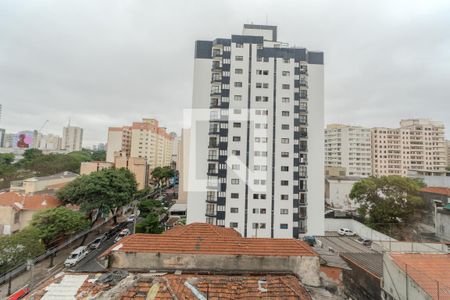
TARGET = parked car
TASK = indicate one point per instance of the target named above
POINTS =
(97, 242)
(345, 231)
(310, 240)
(77, 255)
(122, 234)
(365, 242)
(131, 218)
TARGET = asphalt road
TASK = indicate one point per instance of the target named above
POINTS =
(343, 244)
(89, 262)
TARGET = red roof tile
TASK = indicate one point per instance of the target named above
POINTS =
(200, 239)
(436, 190)
(426, 270)
(28, 202)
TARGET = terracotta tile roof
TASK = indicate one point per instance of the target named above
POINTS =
(172, 286)
(202, 230)
(28, 202)
(436, 190)
(426, 270)
(209, 239)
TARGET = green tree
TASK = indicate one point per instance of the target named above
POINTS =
(6, 158)
(103, 191)
(389, 202)
(57, 222)
(150, 224)
(99, 155)
(19, 247)
(162, 174)
(151, 206)
(31, 154)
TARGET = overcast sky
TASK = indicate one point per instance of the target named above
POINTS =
(107, 63)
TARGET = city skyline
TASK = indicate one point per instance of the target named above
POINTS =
(93, 68)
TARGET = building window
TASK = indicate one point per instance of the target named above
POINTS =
(234, 195)
(285, 100)
(239, 45)
(236, 152)
(286, 60)
(238, 71)
(233, 224)
(237, 125)
(285, 86)
(286, 73)
(239, 58)
(284, 197)
(234, 181)
(285, 126)
(265, 85)
(285, 141)
(284, 211)
(259, 225)
(234, 210)
(16, 217)
(237, 111)
(258, 85)
(284, 169)
(285, 113)
(236, 138)
(235, 167)
(284, 182)
(283, 226)
(237, 97)
(284, 154)
(238, 84)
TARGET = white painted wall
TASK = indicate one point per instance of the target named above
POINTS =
(357, 227)
(339, 191)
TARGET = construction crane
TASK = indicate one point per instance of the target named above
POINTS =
(42, 127)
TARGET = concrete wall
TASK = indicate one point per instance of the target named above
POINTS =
(307, 267)
(88, 167)
(337, 193)
(357, 227)
(410, 247)
(360, 284)
(442, 223)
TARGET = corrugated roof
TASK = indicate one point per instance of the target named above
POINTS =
(199, 238)
(370, 262)
(426, 270)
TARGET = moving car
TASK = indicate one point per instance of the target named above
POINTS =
(77, 255)
(97, 242)
(122, 234)
(365, 242)
(345, 231)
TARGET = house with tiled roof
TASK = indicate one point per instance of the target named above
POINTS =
(205, 247)
(17, 210)
(416, 276)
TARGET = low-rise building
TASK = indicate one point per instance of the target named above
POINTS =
(442, 222)
(416, 276)
(39, 184)
(17, 210)
(87, 167)
(436, 199)
(337, 192)
(200, 246)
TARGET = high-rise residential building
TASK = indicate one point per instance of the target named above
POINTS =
(142, 139)
(349, 147)
(48, 142)
(72, 139)
(256, 156)
(418, 145)
(447, 147)
(2, 137)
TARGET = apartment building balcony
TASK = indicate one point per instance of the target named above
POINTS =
(216, 77)
(216, 53)
(212, 172)
(213, 145)
(212, 200)
(304, 70)
(215, 129)
(216, 66)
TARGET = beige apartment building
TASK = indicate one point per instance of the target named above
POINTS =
(72, 139)
(447, 148)
(418, 145)
(349, 147)
(142, 140)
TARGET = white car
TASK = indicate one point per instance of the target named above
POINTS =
(77, 255)
(122, 234)
(131, 218)
(345, 231)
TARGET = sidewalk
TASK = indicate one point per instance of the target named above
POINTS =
(41, 270)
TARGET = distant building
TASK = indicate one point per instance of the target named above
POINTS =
(349, 147)
(72, 139)
(17, 210)
(447, 147)
(2, 137)
(175, 148)
(418, 145)
(335, 171)
(431, 178)
(39, 184)
(8, 140)
(136, 165)
(49, 142)
(142, 139)
(101, 147)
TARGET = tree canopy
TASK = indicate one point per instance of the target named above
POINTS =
(105, 191)
(57, 222)
(19, 247)
(162, 174)
(388, 201)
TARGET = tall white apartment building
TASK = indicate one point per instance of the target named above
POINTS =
(349, 147)
(142, 139)
(48, 142)
(257, 157)
(72, 139)
(418, 145)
